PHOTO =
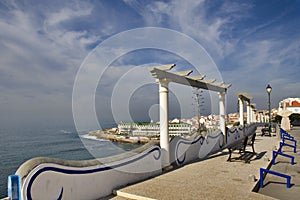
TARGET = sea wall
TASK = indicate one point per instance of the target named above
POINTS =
(183, 151)
(47, 178)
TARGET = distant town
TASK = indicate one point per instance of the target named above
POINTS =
(143, 132)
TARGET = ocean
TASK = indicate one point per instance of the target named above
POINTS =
(17, 145)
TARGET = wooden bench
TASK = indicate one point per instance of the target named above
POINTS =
(265, 131)
(241, 147)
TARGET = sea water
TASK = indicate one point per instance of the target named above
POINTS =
(18, 145)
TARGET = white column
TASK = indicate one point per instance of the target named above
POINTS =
(241, 108)
(266, 118)
(248, 112)
(254, 115)
(251, 114)
(164, 121)
(222, 112)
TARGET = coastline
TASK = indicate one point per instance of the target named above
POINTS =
(111, 134)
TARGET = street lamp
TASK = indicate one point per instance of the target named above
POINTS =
(269, 89)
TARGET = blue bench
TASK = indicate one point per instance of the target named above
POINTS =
(281, 144)
(261, 180)
(284, 133)
(275, 153)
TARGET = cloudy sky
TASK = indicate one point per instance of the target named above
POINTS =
(46, 45)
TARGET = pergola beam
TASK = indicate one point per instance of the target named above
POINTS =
(200, 77)
(189, 81)
(165, 67)
(245, 96)
(184, 73)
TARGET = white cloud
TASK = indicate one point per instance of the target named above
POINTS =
(55, 29)
(193, 18)
(42, 46)
(65, 14)
(262, 62)
(37, 73)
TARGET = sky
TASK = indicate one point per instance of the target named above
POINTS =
(104, 48)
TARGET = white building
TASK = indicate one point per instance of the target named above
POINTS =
(291, 104)
(152, 129)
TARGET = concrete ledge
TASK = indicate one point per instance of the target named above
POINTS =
(131, 196)
(29, 165)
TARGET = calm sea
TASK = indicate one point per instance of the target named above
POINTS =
(17, 145)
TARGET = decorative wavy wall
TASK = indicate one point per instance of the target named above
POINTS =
(183, 151)
(47, 178)
(50, 180)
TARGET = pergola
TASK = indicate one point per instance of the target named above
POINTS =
(243, 96)
(163, 77)
(253, 112)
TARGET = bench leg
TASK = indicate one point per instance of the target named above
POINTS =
(229, 158)
(253, 148)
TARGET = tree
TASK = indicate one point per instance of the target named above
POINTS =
(278, 119)
(294, 116)
(295, 119)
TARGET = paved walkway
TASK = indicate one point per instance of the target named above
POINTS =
(213, 178)
(275, 186)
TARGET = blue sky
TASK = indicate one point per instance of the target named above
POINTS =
(44, 43)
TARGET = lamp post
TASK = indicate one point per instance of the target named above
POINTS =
(269, 89)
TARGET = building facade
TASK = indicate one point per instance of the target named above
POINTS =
(153, 129)
(291, 104)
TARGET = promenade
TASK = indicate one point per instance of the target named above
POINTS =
(276, 186)
(213, 178)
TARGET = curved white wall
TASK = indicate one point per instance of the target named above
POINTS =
(46, 178)
(55, 181)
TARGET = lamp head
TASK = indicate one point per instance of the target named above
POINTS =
(269, 88)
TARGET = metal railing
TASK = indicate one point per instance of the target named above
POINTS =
(261, 180)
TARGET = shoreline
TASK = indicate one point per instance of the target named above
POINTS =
(112, 135)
